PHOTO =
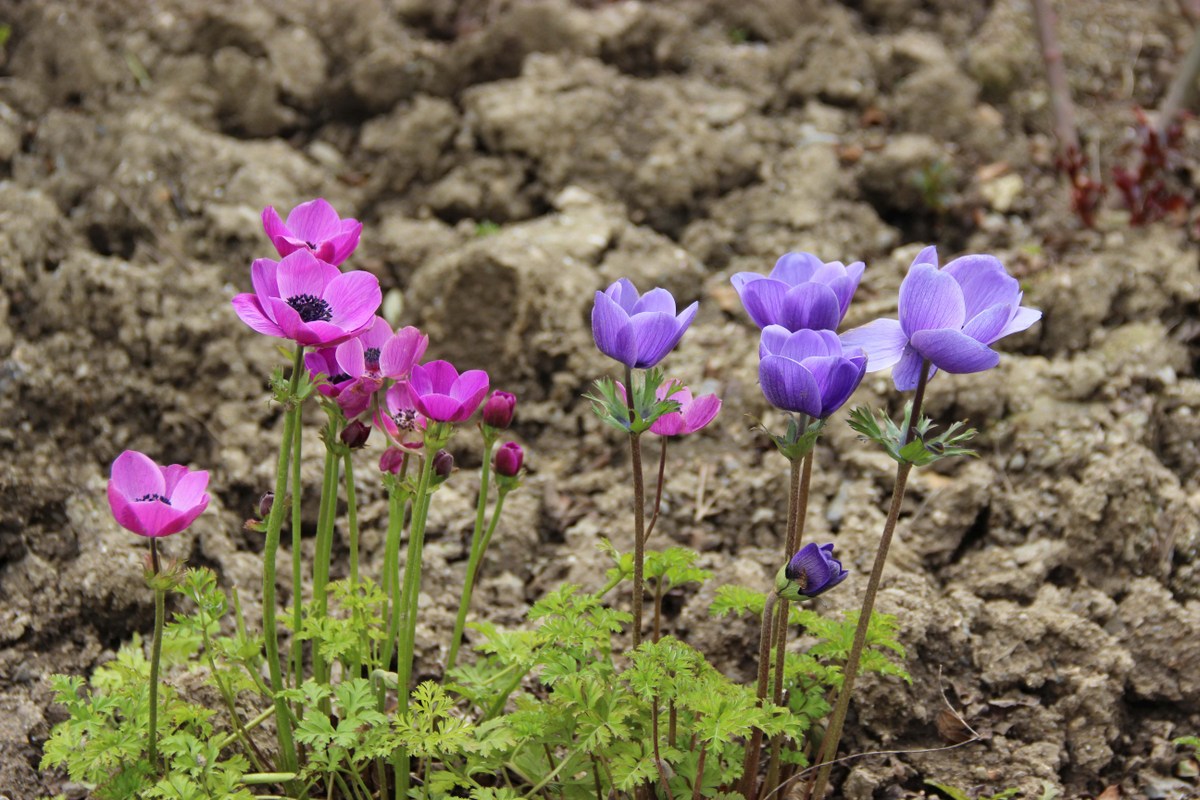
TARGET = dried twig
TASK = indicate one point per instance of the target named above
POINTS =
(1181, 87)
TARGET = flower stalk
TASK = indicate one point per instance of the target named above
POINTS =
(476, 554)
(833, 733)
(639, 514)
(155, 650)
(750, 765)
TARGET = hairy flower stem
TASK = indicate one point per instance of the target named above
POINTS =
(327, 518)
(797, 515)
(410, 599)
(658, 491)
(699, 782)
(639, 514)
(475, 555)
(297, 559)
(833, 734)
(474, 568)
(155, 652)
(283, 717)
(750, 765)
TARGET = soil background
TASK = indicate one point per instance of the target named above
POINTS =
(508, 159)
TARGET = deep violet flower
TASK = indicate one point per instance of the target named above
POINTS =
(442, 395)
(636, 330)
(498, 410)
(313, 226)
(693, 413)
(308, 301)
(812, 571)
(355, 435)
(155, 501)
(947, 316)
(509, 458)
(801, 292)
(443, 464)
(374, 355)
(808, 372)
(404, 424)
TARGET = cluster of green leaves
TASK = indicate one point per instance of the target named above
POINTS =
(924, 447)
(954, 793)
(799, 438)
(611, 405)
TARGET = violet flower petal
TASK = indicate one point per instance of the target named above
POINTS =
(794, 268)
(804, 344)
(984, 282)
(929, 300)
(789, 386)
(811, 305)
(987, 325)
(655, 300)
(954, 351)
(764, 300)
(882, 340)
(908, 370)
(1021, 320)
(612, 330)
(772, 340)
(623, 293)
(655, 333)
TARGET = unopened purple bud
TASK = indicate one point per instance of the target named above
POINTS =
(443, 464)
(392, 460)
(355, 434)
(812, 571)
(498, 410)
(264, 504)
(509, 459)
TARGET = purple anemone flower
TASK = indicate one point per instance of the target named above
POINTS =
(442, 395)
(313, 226)
(155, 501)
(808, 372)
(323, 361)
(801, 292)
(948, 317)
(693, 414)
(308, 301)
(814, 570)
(636, 330)
(402, 422)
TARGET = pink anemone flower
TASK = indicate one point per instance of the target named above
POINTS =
(155, 501)
(402, 422)
(442, 395)
(377, 354)
(693, 413)
(313, 226)
(308, 301)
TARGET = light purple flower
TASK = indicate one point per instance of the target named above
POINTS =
(948, 317)
(313, 226)
(808, 372)
(636, 330)
(693, 413)
(442, 395)
(155, 501)
(801, 292)
(308, 301)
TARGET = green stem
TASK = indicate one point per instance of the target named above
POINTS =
(410, 599)
(324, 545)
(297, 576)
(474, 567)
(750, 764)
(283, 718)
(833, 734)
(397, 500)
(352, 524)
(478, 546)
(155, 652)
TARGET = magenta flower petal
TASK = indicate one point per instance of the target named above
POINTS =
(353, 298)
(438, 407)
(251, 312)
(263, 277)
(276, 230)
(346, 241)
(612, 329)
(929, 300)
(155, 519)
(882, 340)
(314, 221)
(788, 385)
(301, 274)
(288, 320)
(122, 508)
(350, 357)
(470, 388)
(402, 351)
(954, 351)
(136, 475)
(190, 488)
(700, 412)
(984, 282)
(440, 375)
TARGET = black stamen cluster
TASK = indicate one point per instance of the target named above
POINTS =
(310, 308)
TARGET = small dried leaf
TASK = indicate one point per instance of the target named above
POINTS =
(952, 728)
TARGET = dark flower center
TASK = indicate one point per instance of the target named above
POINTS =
(148, 497)
(310, 308)
(341, 376)
(311, 246)
(372, 358)
(797, 576)
(405, 419)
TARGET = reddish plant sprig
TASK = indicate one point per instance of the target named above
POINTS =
(1151, 191)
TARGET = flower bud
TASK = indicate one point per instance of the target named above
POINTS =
(264, 504)
(443, 464)
(509, 459)
(355, 434)
(391, 460)
(498, 410)
(812, 571)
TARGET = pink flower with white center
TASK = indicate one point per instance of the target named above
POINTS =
(442, 395)
(155, 501)
(308, 301)
(313, 226)
(404, 424)
(693, 413)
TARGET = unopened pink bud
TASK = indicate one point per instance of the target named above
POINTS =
(355, 435)
(509, 459)
(498, 410)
